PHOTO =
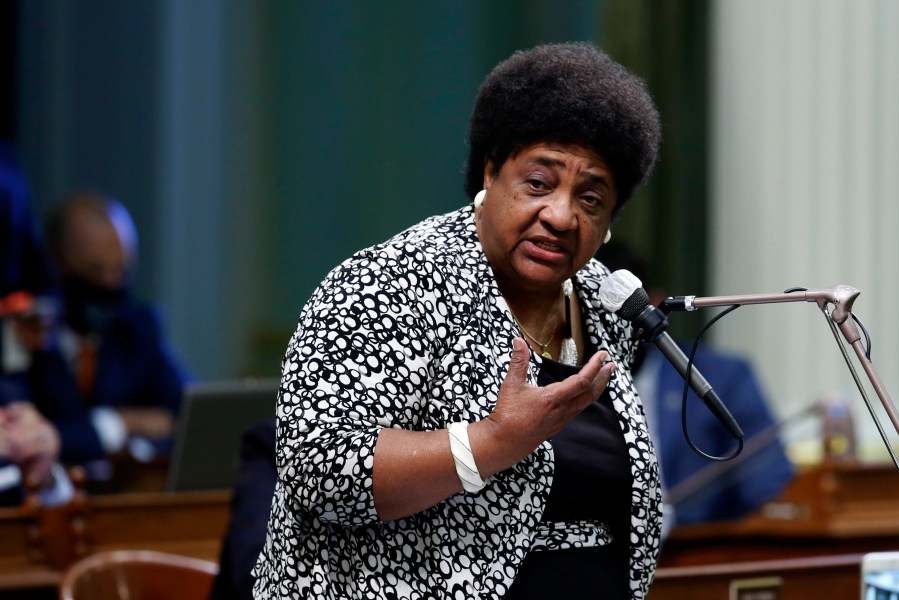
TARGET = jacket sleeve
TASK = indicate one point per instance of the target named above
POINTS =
(358, 362)
(763, 475)
(53, 390)
(166, 375)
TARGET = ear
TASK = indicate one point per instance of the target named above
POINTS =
(488, 173)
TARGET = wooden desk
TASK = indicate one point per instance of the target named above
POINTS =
(19, 565)
(826, 510)
(830, 577)
(38, 544)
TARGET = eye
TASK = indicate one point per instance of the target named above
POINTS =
(592, 200)
(538, 185)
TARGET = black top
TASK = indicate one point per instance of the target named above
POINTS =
(592, 480)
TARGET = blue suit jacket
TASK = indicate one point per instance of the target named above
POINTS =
(9, 495)
(135, 368)
(23, 267)
(23, 263)
(742, 487)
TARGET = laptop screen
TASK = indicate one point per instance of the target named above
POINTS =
(213, 417)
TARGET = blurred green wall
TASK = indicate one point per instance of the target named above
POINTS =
(368, 124)
(303, 131)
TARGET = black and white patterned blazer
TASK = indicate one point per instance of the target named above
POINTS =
(414, 334)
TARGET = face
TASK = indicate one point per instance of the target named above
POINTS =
(544, 216)
(95, 253)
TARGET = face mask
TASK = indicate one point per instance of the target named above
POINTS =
(90, 308)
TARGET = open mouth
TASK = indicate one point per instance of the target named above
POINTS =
(549, 247)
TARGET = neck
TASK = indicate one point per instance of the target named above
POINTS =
(535, 310)
(540, 319)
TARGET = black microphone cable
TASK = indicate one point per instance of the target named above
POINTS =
(683, 411)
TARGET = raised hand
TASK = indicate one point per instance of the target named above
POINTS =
(525, 415)
(31, 441)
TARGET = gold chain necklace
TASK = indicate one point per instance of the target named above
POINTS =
(543, 351)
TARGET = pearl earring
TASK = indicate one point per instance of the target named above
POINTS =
(479, 199)
(608, 236)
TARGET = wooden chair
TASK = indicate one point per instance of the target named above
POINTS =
(138, 575)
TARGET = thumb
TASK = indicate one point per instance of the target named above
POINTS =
(518, 367)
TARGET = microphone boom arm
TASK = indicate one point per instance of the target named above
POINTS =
(836, 304)
(841, 296)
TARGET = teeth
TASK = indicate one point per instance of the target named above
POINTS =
(548, 246)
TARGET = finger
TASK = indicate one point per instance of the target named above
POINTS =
(606, 370)
(591, 380)
(606, 373)
(593, 367)
(19, 409)
(518, 367)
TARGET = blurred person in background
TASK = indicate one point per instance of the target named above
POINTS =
(110, 382)
(26, 282)
(29, 443)
(29, 452)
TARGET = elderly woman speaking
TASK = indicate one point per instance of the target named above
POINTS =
(456, 416)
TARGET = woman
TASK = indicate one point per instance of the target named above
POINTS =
(449, 425)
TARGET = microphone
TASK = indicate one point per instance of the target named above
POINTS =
(622, 293)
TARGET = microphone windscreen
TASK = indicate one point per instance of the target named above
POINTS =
(617, 288)
(634, 305)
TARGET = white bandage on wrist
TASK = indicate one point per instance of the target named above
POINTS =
(466, 468)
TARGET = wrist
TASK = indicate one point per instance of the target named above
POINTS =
(493, 448)
(463, 457)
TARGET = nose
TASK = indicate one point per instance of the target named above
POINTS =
(111, 278)
(110, 273)
(558, 213)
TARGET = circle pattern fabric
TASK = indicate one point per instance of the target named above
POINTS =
(414, 334)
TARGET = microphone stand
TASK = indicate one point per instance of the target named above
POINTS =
(836, 304)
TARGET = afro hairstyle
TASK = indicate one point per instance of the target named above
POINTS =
(568, 93)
